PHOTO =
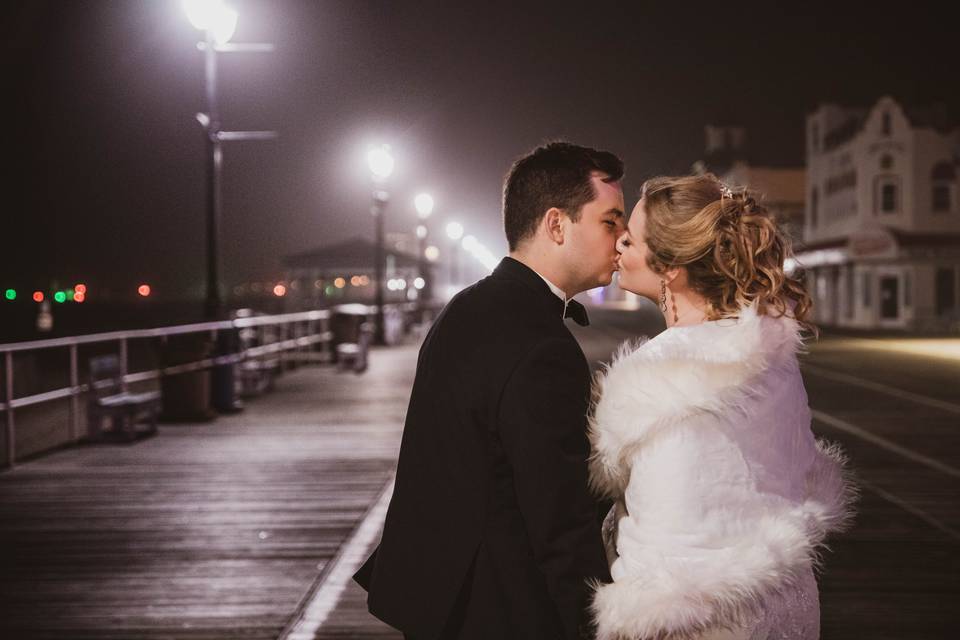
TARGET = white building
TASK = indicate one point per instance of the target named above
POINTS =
(882, 223)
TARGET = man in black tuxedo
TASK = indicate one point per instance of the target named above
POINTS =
(491, 533)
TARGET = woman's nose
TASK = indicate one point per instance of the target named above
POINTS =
(620, 244)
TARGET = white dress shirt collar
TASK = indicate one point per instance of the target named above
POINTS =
(557, 291)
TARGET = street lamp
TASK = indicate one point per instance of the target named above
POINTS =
(218, 22)
(381, 166)
(424, 206)
(454, 232)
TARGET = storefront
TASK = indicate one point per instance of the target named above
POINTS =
(880, 278)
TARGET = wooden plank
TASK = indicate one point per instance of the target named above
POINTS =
(205, 531)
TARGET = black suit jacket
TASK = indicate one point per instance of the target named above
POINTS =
(491, 531)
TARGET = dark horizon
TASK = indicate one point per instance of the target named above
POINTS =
(108, 183)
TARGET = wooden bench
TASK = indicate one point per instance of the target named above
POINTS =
(129, 415)
(353, 355)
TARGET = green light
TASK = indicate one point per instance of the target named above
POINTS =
(11, 294)
(330, 289)
(69, 294)
(60, 296)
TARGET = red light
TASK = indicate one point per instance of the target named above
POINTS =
(279, 290)
(80, 288)
(38, 296)
(144, 290)
(79, 297)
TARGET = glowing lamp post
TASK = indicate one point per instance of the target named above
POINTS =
(424, 206)
(454, 232)
(218, 23)
(381, 166)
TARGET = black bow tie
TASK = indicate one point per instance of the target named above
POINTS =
(578, 312)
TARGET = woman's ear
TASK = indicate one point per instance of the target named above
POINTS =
(675, 276)
(553, 224)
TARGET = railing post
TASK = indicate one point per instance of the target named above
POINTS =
(123, 364)
(74, 394)
(8, 393)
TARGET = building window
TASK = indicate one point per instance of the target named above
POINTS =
(814, 204)
(941, 198)
(888, 198)
(887, 124)
(886, 194)
(886, 162)
(943, 178)
(866, 284)
(945, 288)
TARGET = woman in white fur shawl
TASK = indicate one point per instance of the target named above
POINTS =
(702, 434)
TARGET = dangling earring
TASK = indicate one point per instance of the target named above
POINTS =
(673, 303)
(663, 296)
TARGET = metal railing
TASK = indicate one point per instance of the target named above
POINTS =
(298, 332)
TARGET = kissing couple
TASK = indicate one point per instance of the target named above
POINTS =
(683, 496)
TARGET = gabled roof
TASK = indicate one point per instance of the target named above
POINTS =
(356, 252)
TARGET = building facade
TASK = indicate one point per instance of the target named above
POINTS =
(881, 233)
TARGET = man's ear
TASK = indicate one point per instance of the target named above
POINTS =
(553, 224)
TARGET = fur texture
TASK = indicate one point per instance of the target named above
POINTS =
(703, 434)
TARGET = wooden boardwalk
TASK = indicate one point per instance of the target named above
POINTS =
(210, 530)
(221, 530)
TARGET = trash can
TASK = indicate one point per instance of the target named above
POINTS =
(186, 395)
(223, 377)
(345, 322)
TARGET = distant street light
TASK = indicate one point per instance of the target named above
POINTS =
(218, 22)
(423, 203)
(381, 166)
(454, 232)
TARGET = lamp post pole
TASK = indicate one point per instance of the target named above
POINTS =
(213, 303)
(380, 198)
(218, 23)
(424, 206)
(381, 166)
(454, 233)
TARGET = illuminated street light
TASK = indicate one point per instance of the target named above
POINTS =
(424, 205)
(212, 16)
(380, 162)
(432, 253)
(144, 290)
(218, 22)
(454, 231)
(381, 166)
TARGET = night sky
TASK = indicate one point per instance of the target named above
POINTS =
(107, 184)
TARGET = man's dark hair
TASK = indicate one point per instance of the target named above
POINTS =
(555, 175)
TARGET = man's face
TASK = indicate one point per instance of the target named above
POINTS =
(591, 244)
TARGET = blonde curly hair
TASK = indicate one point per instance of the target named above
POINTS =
(729, 244)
